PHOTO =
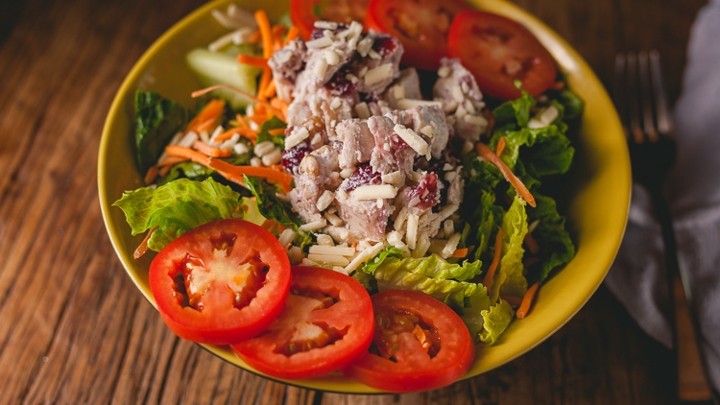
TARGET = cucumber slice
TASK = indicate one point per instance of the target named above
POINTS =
(221, 68)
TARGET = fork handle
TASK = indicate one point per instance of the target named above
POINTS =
(692, 380)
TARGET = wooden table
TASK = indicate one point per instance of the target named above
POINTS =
(73, 328)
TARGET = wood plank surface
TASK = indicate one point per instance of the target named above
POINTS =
(73, 328)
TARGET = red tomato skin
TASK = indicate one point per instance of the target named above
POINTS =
(221, 324)
(422, 53)
(354, 311)
(451, 362)
(302, 14)
(468, 41)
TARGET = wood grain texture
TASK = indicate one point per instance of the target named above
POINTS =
(73, 328)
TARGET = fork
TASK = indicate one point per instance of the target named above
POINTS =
(643, 108)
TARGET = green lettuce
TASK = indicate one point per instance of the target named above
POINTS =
(270, 206)
(157, 120)
(176, 207)
(510, 278)
(556, 246)
(495, 320)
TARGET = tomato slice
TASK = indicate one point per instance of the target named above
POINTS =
(420, 344)
(421, 26)
(327, 323)
(304, 13)
(498, 51)
(221, 282)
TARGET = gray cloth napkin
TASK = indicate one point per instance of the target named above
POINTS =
(637, 277)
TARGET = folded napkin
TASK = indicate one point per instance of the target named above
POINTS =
(637, 277)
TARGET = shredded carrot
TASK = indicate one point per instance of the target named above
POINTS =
(170, 160)
(208, 116)
(500, 147)
(187, 153)
(242, 131)
(211, 151)
(230, 171)
(265, 32)
(270, 89)
(251, 60)
(235, 173)
(532, 244)
(241, 121)
(265, 80)
(293, 33)
(490, 275)
(460, 253)
(277, 131)
(201, 92)
(491, 157)
(527, 301)
(143, 247)
(151, 175)
(255, 37)
(278, 32)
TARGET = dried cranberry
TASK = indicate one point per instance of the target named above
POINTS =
(426, 191)
(292, 157)
(363, 175)
(385, 45)
(339, 85)
(317, 33)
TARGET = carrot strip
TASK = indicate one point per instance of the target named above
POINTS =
(491, 157)
(236, 173)
(293, 33)
(201, 92)
(255, 37)
(278, 31)
(265, 32)
(265, 80)
(500, 147)
(151, 175)
(241, 122)
(210, 114)
(532, 244)
(252, 60)
(211, 150)
(242, 131)
(276, 131)
(270, 89)
(496, 259)
(527, 301)
(460, 253)
(187, 153)
(230, 171)
(143, 247)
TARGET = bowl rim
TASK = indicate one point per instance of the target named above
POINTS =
(569, 61)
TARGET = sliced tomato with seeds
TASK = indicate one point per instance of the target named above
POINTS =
(326, 324)
(422, 27)
(304, 13)
(221, 282)
(499, 51)
(419, 344)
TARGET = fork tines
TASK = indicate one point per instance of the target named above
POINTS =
(640, 96)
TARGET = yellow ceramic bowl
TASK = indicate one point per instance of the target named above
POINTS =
(598, 200)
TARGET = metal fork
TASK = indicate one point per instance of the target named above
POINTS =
(642, 104)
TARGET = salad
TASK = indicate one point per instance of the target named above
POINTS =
(363, 198)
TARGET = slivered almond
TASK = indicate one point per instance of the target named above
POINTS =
(374, 191)
(378, 74)
(413, 139)
(332, 250)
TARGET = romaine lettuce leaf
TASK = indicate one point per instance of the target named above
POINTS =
(556, 246)
(157, 120)
(271, 207)
(495, 320)
(510, 278)
(176, 207)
